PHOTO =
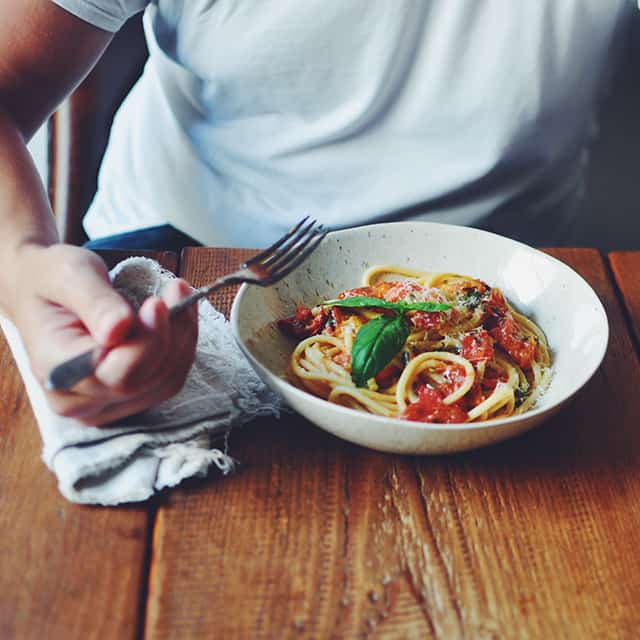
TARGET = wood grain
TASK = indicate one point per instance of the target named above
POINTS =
(626, 270)
(200, 266)
(317, 538)
(66, 571)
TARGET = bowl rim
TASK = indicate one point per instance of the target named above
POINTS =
(578, 382)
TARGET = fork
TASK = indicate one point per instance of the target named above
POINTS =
(263, 269)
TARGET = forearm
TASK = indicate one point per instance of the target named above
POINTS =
(26, 218)
(60, 297)
(44, 53)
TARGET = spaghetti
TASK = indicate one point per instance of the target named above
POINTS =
(431, 347)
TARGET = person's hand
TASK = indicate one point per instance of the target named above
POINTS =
(65, 305)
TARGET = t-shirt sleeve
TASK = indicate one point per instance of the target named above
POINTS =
(109, 15)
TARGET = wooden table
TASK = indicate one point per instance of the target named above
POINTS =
(537, 537)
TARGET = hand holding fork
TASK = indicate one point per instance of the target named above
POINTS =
(263, 269)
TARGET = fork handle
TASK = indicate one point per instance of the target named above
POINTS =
(195, 295)
(67, 374)
(71, 371)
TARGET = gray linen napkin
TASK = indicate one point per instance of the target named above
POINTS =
(131, 460)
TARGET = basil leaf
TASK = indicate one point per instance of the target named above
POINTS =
(425, 306)
(401, 305)
(375, 345)
(362, 301)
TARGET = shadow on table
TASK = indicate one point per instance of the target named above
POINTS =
(586, 438)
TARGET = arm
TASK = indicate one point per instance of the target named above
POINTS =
(44, 54)
(59, 296)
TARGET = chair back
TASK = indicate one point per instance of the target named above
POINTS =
(79, 129)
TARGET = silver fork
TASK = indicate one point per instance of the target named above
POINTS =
(263, 269)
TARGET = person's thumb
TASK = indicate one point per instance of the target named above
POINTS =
(81, 284)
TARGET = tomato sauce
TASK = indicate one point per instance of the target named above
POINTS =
(430, 408)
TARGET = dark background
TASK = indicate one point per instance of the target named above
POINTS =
(610, 212)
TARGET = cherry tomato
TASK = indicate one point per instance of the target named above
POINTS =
(477, 346)
(304, 323)
(430, 408)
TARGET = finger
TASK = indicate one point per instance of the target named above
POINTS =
(174, 291)
(184, 327)
(119, 376)
(124, 394)
(132, 367)
(185, 324)
(92, 395)
(73, 405)
(82, 285)
(116, 411)
(182, 338)
(154, 318)
(170, 377)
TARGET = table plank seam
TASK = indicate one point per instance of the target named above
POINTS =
(145, 578)
(152, 522)
(620, 297)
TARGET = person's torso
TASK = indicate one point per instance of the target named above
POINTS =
(352, 111)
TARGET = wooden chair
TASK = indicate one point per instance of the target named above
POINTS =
(79, 130)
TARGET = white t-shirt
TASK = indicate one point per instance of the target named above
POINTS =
(252, 113)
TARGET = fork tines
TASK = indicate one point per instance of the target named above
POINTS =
(290, 250)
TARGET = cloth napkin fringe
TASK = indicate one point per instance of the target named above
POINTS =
(132, 459)
(188, 459)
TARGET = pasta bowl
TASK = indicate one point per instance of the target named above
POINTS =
(538, 286)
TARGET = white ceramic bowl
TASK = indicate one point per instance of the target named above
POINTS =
(545, 289)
